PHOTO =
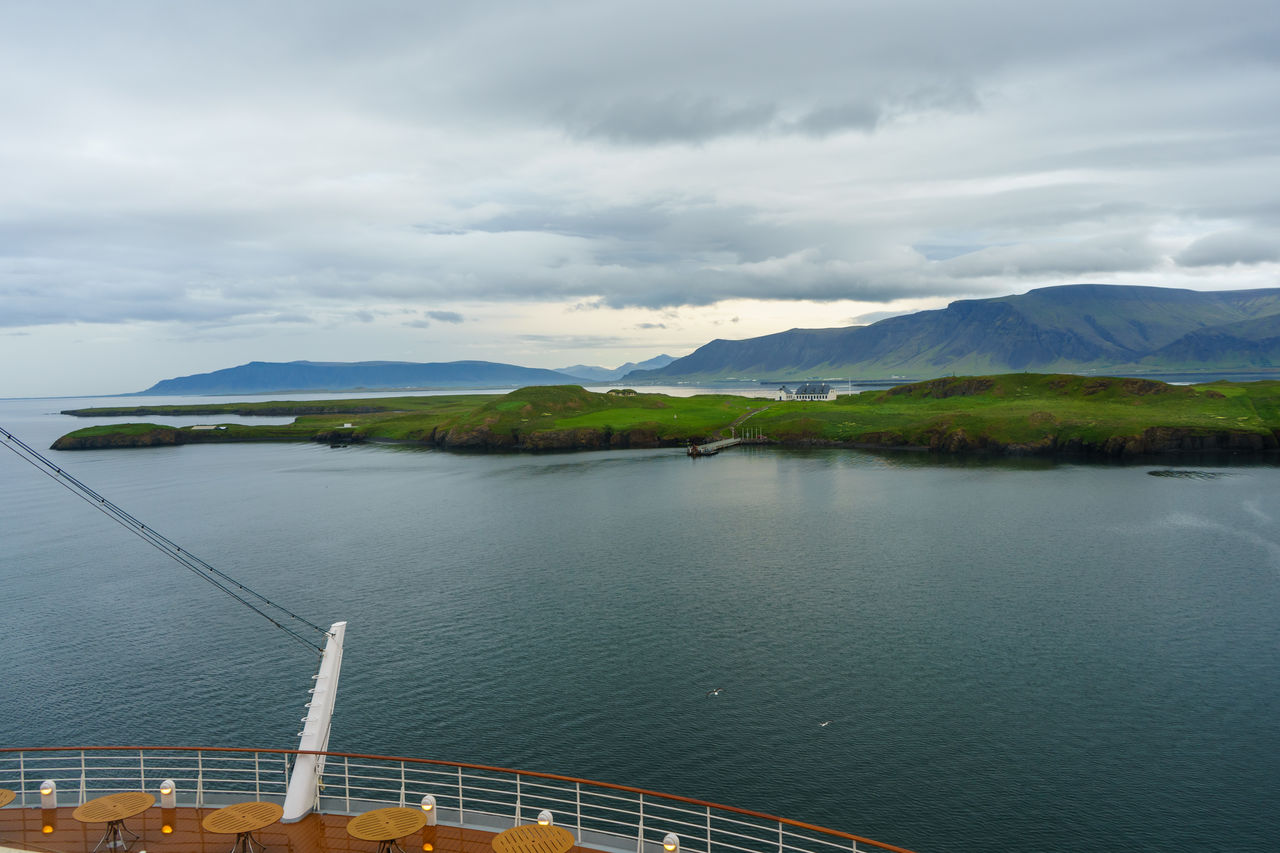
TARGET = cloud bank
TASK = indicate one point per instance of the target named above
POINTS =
(289, 165)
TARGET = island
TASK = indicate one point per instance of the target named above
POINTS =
(1015, 413)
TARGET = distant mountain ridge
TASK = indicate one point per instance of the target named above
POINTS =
(604, 374)
(1070, 328)
(264, 377)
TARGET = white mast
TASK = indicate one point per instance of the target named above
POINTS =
(303, 793)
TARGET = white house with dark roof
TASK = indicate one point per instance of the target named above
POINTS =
(808, 391)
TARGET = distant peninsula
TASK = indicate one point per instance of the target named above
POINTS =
(267, 377)
(1019, 413)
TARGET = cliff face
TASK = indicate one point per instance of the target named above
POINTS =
(1152, 441)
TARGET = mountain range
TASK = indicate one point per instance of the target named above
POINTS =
(604, 374)
(1079, 328)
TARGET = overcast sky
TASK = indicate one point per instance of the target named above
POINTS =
(190, 186)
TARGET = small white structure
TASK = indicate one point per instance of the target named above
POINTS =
(808, 391)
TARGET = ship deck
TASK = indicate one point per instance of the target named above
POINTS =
(471, 803)
(25, 829)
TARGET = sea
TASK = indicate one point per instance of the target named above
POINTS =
(949, 654)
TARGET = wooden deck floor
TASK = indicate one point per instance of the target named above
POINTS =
(23, 828)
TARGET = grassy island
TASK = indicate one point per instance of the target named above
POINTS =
(1011, 413)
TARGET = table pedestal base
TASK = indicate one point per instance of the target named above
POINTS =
(245, 844)
(113, 838)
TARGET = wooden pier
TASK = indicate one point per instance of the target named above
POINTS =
(739, 436)
(713, 448)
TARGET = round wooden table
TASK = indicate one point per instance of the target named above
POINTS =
(113, 810)
(386, 825)
(243, 819)
(533, 838)
(6, 797)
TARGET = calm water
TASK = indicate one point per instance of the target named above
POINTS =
(1013, 656)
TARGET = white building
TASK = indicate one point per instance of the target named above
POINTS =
(808, 391)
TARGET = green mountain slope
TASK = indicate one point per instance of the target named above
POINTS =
(1084, 327)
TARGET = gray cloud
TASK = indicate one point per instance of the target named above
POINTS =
(575, 341)
(1108, 254)
(1223, 248)
(672, 118)
(837, 117)
(248, 166)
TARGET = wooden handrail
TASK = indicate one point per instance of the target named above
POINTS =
(489, 768)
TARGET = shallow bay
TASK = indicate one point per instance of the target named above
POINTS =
(1011, 655)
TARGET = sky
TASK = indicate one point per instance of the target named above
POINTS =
(186, 187)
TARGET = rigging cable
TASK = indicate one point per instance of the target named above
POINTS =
(191, 562)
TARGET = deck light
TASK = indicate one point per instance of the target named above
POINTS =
(48, 795)
(429, 806)
(545, 818)
(168, 820)
(671, 842)
(168, 795)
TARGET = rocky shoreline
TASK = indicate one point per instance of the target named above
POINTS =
(1152, 441)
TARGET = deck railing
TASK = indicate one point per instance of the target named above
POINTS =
(602, 816)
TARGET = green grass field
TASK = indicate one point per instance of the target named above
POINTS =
(1012, 412)
(1027, 410)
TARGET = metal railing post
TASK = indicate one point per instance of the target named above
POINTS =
(640, 828)
(199, 780)
(142, 770)
(402, 784)
(460, 820)
(577, 797)
(517, 823)
(346, 781)
(82, 777)
(257, 778)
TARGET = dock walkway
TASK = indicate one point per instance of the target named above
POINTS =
(713, 448)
